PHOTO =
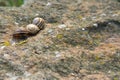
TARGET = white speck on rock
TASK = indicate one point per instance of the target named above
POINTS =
(109, 23)
(16, 23)
(2, 47)
(109, 71)
(72, 74)
(50, 31)
(103, 14)
(6, 55)
(62, 26)
(114, 15)
(36, 14)
(27, 74)
(67, 29)
(83, 18)
(48, 4)
(95, 24)
(57, 53)
(13, 43)
(83, 29)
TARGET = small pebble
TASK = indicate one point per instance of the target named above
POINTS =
(109, 71)
(109, 23)
(103, 14)
(48, 4)
(95, 24)
(83, 18)
(6, 55)
(114, 15)
(50, 30)
(13, 44)
(62, 26)
(83, 29)
(72, 74)
(67, 29)
(16, 23)
(57, 54)
(36, 14)
(2, 47)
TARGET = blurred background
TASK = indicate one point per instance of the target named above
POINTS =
(11, 3)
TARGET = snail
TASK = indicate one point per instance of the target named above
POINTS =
(30, 30)
(20, 33)
(39, 22)
(23, 33)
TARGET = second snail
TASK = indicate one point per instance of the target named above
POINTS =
(31, 29)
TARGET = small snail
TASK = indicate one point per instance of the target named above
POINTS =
(20, 33)
(32, 29)
(39, 22)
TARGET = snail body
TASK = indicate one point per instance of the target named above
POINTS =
(20, 33)
(39, 22)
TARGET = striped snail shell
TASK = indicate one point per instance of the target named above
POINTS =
(32, 29)
(20, 33)
(39, 22)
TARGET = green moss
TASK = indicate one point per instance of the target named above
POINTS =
(81, 38)
(11, 2)
(115, 78)
(90, 37)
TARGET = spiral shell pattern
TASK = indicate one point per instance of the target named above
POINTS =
(39, 22)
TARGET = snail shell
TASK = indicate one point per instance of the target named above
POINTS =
(39, 22)
(32, 29)
(20, 33)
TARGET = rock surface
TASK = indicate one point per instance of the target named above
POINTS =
(81, 41)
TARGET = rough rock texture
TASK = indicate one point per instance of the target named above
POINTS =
(81, 41)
